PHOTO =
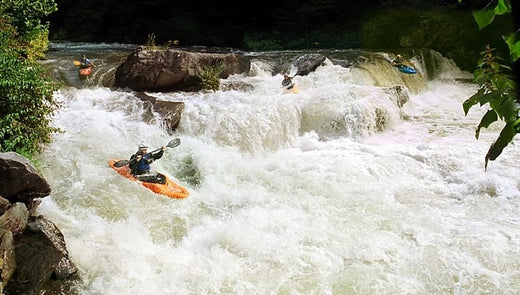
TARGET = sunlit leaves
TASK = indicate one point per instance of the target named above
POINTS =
(483, 17)
(26, 95)
(210, 76)
(486, 16)
(503, 7)
(513, 42)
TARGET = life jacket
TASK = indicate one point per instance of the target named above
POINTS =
(86, 63)
(143, 165)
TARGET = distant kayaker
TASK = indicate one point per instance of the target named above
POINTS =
(140, 164)
(399, 61)
(86, 63)
(287, 82)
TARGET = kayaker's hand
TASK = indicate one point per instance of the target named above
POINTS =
(138, 158)
(163, 148)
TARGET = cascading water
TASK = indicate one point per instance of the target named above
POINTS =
(334, 190)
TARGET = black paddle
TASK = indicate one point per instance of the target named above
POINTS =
(173, 143)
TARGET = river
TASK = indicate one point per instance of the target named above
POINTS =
(333, 190)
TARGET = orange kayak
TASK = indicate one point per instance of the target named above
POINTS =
(169, 189)
(85, 71)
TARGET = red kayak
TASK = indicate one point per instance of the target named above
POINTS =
(85, 71)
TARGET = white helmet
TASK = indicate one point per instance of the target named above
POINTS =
(142, 146)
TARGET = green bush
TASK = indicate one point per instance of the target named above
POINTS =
(26, 95)
(210, 76)
(498, 90)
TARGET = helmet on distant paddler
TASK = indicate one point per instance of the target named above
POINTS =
(399, 56)
(142, 146)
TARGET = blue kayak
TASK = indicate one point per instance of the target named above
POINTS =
(406, 69)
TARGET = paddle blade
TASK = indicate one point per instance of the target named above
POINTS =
(77, 63)
(174, 142)
(121, 163)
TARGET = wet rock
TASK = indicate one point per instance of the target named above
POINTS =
(15, 219)
(399, 95)
(308, 63)
(20, 180)
(41, 256)
(8, 261)
(174, 69)
(32, 206)
(33, 257)
(4, 205)
(236, 85)
(170, 111)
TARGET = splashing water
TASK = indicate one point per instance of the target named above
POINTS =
(334, 190)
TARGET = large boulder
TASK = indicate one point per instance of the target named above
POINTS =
(33, 254)
(308, 63)
(41, 256)
(170, 111)
(174, 69)
(20, 181)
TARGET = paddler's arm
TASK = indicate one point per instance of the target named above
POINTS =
(159, 154)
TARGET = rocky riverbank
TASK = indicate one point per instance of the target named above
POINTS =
(34, 254)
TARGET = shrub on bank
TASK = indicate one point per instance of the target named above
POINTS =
(26, 94)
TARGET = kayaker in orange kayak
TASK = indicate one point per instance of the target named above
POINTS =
(140, 164)
(86, 63)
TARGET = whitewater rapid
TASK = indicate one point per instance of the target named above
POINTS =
(290, 193)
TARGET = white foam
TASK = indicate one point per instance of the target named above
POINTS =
(286, 203)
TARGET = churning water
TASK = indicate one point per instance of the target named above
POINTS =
(333, 190)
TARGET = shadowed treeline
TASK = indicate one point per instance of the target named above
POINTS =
(209, 22)
(443, 25)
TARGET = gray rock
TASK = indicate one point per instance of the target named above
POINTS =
(308, 63)
(41, 256)
(20, 179)
(170, 111)
(8, 261)
(15, 219)
(236, 85)
(4, 205)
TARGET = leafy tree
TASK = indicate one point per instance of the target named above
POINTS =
(496, 87)
(26, 95)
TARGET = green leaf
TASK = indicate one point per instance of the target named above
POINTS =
(502, 7)
(513, 42)
(505, 137)
(483, 17)
(473, 100)
(492, 97)
(487, 119)
(505, 67)
(507, 109)
(486, 16)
